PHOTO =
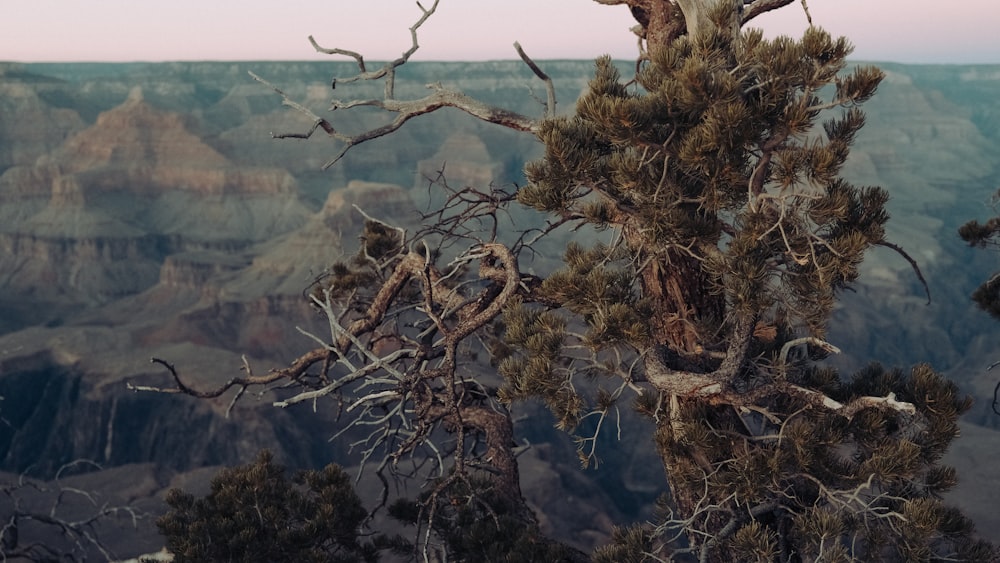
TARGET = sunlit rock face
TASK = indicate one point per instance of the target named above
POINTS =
(93, 220)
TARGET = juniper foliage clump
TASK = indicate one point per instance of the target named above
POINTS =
(476, 524)
(718, 171)
(983, 235)
(255, 513)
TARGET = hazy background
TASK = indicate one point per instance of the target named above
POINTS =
(915, 31)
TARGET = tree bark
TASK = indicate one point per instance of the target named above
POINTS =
(662, 21)
(682, 302)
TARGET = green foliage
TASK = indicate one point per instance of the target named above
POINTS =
(982, 235)
(536, 370)
(340, 281)
(754, 542)
(479, 526)
(867, 487)
(632, 544)
(987, 296)
(670, 162)
(717, 169)
(979, 234)
(379, 242)
(600, 290)
(254, 513)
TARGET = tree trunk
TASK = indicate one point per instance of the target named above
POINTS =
(684, 305)
(687, 313)
(665, 23)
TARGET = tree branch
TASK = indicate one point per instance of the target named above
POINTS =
(754, 8)
(715, 387)
(406, 109)
(67, 538)
(913, 264)
(550, 89)
(388, 71)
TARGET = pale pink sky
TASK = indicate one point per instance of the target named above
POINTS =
(914, 31)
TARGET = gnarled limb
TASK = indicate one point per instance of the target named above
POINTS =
(405, 393)
(754, 8)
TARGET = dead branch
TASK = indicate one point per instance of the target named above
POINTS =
(805, 8)
(996, 399)
(715, 387)
(996, 390)
(913, 264)
(405, 396)
(405, 110)
(388, 71)
(296, 369)
(787, 347)
(36, 513)
(715, 391)
(754, 8)
(550, 89)
(468, 215)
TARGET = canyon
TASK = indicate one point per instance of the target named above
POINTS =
(145, 211)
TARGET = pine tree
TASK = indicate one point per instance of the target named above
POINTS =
(734, 235)
(255, 513)
(714, 174)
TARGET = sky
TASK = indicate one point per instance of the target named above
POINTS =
(910, 31)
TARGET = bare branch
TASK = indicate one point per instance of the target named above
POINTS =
(787, 347)
(715, 387)
(337, 51)
(550, 106)
(754, 8)
(292, 372)
(75, 527)
(996, 399)
(913, 264)
(805, 8)
(318, 122)
(406, 109)
(388, 71)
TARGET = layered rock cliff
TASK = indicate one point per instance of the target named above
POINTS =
(30, 126)
(92, 220)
